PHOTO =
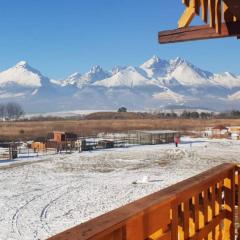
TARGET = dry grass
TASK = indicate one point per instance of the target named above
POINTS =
(34, 129)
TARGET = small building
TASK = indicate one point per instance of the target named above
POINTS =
(38, 146)
(220, 131)
(152, 137)
(55, 140)
(85, 145)
(62, 140)
(208, 132)
(60, 137)
(105, 144)
(235, 132)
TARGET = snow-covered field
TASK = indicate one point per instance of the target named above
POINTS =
(42, 196)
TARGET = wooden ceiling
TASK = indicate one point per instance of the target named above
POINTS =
(221, 18)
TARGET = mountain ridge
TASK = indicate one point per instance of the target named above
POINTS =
(154, 84)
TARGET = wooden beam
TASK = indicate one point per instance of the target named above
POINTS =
(188, 14)
(187, 17)
(229, 29)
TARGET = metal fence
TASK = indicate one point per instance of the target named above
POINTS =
(28, 152)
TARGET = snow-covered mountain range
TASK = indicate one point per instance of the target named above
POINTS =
(155, 84)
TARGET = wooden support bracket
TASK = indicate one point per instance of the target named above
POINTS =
(188, 15)
(222, 18)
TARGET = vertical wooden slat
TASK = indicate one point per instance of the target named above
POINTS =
(238, 196)
(197, 6)
(218, 13)
(233, 191)
(175, 222)
(186, 219)
(214, 209)
(120, 234)
(196, 213)
(205, 206)
(212, 13)
(134, 229)
(204, 4)
(181, 221)
(220, 206)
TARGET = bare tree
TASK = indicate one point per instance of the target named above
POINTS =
(11, 111)
(2, 111)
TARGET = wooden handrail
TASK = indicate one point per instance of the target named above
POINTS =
(191, 209)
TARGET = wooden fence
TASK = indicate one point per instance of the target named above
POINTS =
(4, 156)
(202, 207)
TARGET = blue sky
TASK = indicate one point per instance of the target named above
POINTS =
(60, 37)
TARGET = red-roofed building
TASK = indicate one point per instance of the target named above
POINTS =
(220, 131)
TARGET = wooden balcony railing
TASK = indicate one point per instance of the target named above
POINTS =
(202, 207)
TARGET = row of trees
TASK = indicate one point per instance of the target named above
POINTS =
(232, 114)
(10, 111)
(192, 114)
(187, 115)
(235, 114)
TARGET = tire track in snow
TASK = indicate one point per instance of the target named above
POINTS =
(15, 218)
(44, 212)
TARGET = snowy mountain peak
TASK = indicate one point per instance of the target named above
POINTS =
(22, 64)
(155, 59)
(155, 62)
(73, 79)
(179, 61)
(96, 69)
(230, 75)
(75, 75)
(155, 67)
(129, 77)
(117, 69)
(96, 73)
(21, 74)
